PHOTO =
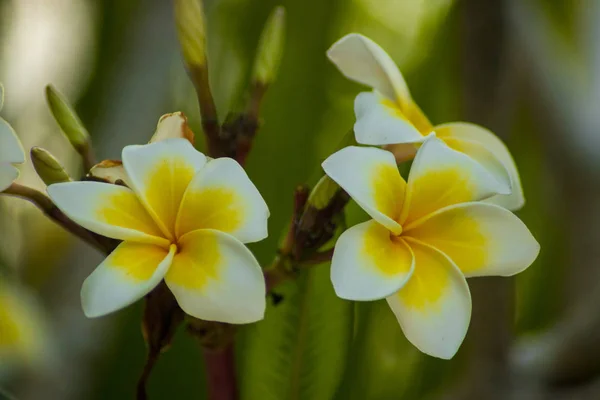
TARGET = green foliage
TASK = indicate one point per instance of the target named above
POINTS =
(300, 350)
(380, 354)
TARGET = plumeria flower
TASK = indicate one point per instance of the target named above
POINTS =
(425, 237)
(11, 151)
(23, 332)
(389, 116)
(183, 219)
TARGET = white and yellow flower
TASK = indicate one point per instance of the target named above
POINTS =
(11, 151)
(389, 116)
(23, 332)
(425, 237)
(183, 219)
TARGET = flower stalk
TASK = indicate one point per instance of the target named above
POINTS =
(191, 29)
(43, 202)
(221, 373)
(162, 317)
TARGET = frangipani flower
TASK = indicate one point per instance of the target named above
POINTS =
(23, 334)
(11, 151)
(389, 116)
(184, 220)
(425, 237)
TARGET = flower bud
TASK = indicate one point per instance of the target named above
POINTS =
(323, 193)
(67, 119)
(189, 19)
(48, 167)
(270, 48)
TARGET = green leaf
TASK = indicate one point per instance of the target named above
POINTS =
(300, 350)
(383, 364)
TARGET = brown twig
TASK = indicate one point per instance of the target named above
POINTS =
(141, 393)
(318, 258)
(257, 93)
(87, 156)
(46, 205)
(221, 373)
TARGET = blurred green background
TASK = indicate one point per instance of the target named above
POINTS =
(527, 69)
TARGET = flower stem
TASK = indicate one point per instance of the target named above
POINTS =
(43, 202)
(208, 111)
(220, 366)
(141, 393)
(87, 157)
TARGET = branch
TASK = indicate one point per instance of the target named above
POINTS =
(141, 393)
(221, 373)
(46, 205)
(87, 157)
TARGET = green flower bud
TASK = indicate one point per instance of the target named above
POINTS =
(67, 119)
(270, 48)
(189, 19)
(48, 167)
(323, 193)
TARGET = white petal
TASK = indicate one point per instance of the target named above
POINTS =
(214, 277)
(11, 150)
(379, 122)
(364, 61)
(482, 239)
(109, 210)
(434, 307)
(128, 273)
(368, 264)
(482, 155)
(371, 178)
(222, 197)
(8, 174)
(172, 125)
(160, 173)
(471, 132)
(440, 176)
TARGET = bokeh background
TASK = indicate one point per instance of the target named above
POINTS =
(527, 69)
